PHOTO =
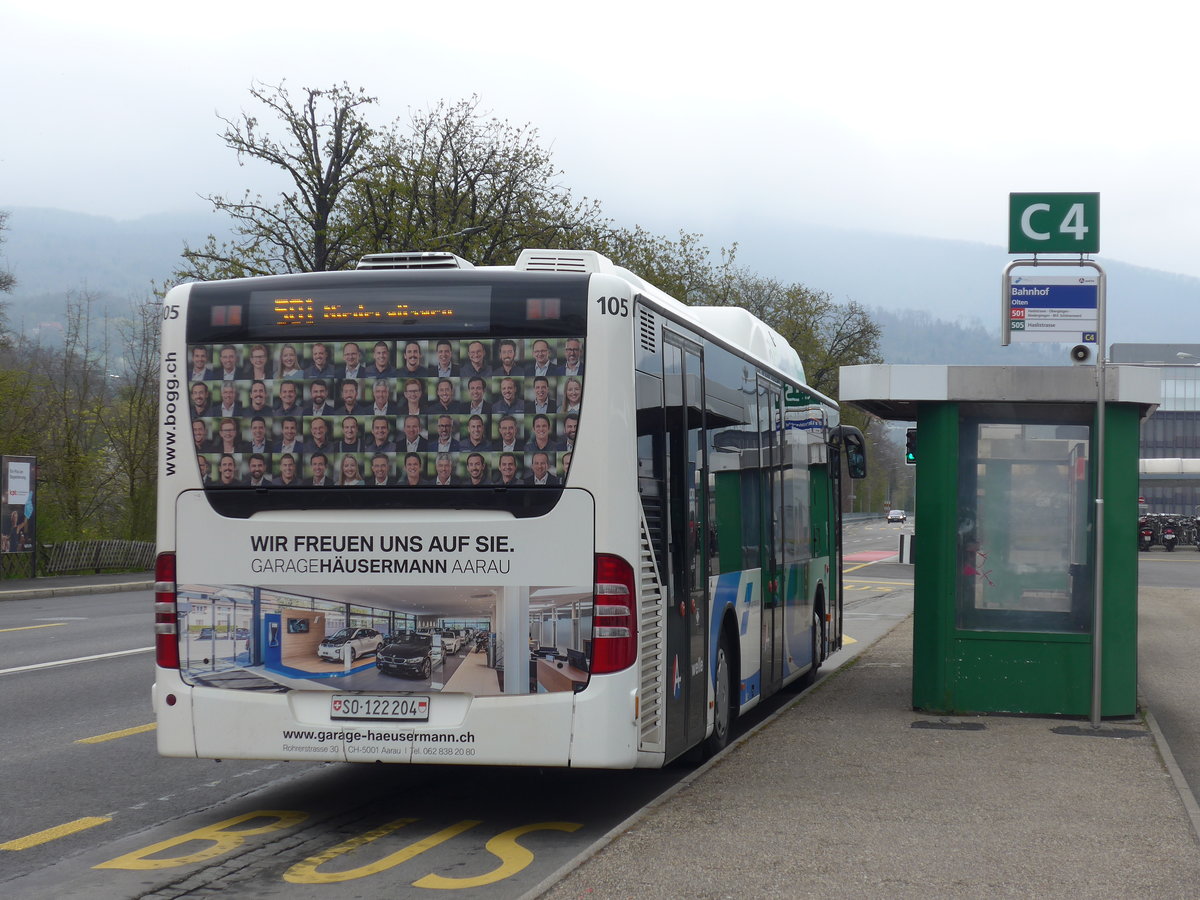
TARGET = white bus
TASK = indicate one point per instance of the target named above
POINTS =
(398, 522)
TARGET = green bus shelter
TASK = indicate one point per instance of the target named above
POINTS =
(1006, 484)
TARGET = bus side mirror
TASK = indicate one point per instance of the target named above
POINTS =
(856, 450)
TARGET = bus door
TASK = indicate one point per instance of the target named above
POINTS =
(687, 545)
(770, 424)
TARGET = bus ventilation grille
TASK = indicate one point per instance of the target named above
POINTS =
(647, 328)
(581, 261)
(423, 260)
(653, 672)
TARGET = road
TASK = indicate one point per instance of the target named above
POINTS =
(77, 748)
(81, 785)
(453, 827)
(1169, 651)
(88, 808)
(77, 752)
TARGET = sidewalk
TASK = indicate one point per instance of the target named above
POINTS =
(850, 793)
(67, 585)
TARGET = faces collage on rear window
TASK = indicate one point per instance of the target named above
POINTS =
(427, 412)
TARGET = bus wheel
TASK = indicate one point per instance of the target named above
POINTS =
(723, 709)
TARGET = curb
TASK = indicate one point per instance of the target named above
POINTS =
(1190, 806)
(75, 590)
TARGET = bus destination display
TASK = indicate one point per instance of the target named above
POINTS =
(446, 309)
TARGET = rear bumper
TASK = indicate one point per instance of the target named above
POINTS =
(595, 728)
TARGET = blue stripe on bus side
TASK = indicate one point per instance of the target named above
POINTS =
(733, 589)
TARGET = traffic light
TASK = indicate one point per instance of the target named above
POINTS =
(910, 447)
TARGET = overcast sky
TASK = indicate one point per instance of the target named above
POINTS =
(916, 118)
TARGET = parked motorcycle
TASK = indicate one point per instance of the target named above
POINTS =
(1145, 537)
(1170, 536)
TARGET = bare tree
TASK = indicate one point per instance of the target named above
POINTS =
(328, 146)
(7, 282)
(130, 419)
(77, 473)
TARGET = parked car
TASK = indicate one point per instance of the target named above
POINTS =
(896, 515)
(435, 639)
(361, 641)
(450, 642)
(408, 654)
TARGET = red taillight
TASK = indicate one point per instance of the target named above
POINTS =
(614, 616)
(166, 613)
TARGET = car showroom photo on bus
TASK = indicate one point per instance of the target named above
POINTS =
(424, 512)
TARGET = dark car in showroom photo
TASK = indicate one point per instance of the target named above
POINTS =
(409, 655)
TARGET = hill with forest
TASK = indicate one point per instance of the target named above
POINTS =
(936, 300)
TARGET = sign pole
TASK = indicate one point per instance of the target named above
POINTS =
(1101, 395)
(1098, 585)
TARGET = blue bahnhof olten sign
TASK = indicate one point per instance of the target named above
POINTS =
(1058, 308)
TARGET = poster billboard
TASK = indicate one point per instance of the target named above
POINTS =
(18, 474)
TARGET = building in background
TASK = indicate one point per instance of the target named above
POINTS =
(1173, 432)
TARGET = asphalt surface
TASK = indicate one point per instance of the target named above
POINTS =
(851, 793)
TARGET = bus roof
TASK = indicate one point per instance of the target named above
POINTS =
(734, 325)
(731, 325)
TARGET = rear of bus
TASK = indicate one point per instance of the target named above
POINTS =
(377, 521)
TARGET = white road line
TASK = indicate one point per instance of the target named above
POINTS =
(71, 662)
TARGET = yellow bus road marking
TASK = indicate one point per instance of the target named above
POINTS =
(846, 639)
(53, 834)
(113, 735)
(28, 627)
(220, 837)
(877, 581)
(213, 841)
(846, 570)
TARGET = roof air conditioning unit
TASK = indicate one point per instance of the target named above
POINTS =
(413, 260)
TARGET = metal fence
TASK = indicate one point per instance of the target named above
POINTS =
(96, 556)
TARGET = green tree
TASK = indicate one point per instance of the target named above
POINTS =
(825, 333)
(682, 267)
(462, 180)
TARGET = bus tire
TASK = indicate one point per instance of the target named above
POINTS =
(723, 708)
